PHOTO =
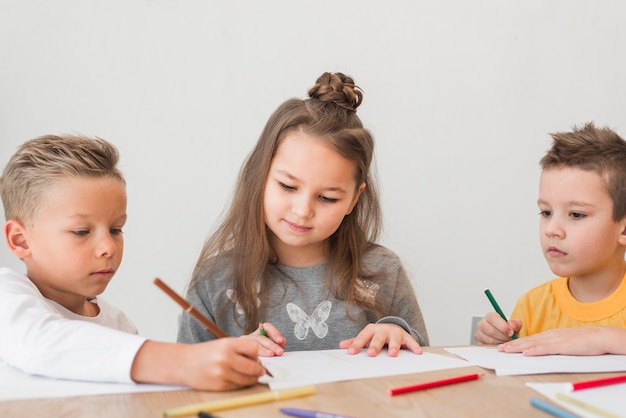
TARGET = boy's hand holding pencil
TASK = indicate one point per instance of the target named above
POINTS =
(494, 328)
(191, 310)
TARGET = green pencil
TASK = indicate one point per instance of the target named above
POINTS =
(497, 308)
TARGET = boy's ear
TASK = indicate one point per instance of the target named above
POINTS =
(15, 236)
(622, 236)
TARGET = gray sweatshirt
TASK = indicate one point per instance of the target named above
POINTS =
(303, 309)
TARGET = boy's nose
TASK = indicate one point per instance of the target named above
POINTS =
(107, 246)
(553, 228)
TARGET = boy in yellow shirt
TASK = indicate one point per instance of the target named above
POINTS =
(582, 203)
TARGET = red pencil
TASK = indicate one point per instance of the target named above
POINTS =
(434, 383)
(598, 382)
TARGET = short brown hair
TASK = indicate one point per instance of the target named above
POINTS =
(593, 149)
(39, 162)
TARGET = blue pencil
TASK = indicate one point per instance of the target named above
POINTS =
(551, 409)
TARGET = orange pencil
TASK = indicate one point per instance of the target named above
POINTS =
(189, 308)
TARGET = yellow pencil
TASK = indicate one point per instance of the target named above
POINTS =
(598, 411)
(239, 401)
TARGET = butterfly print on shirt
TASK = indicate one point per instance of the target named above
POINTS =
(316, 321)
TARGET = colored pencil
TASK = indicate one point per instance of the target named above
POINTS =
(307, 413)
(239, 401)
(189, 308)
(496, 307)
(551, 409)
(587, 407)
(586, 384)
(433, 384)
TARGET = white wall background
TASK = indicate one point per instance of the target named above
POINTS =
(460, 95)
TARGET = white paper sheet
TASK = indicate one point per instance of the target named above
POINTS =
(15, 384)
(608, 398)
(299, 368)
(517, 364)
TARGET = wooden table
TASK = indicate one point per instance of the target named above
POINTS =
(489, 396)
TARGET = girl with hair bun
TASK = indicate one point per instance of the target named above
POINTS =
(296, 251)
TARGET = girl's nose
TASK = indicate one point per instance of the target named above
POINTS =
(302, 207)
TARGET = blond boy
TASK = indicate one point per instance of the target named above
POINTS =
(65, 206)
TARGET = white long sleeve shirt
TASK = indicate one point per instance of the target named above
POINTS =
(39, 336)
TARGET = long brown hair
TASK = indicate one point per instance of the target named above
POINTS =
(330, 115)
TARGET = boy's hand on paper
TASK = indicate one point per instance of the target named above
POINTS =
(270, 345)
(376, 336)
(576, 341)
(492, 329)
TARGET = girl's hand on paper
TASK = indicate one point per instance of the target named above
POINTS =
(576, 341)
(376, 336)
(271, 344)
(492, 329)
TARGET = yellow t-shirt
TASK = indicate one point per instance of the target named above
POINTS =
(551, 305)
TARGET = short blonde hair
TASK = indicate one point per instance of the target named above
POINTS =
(40, 162)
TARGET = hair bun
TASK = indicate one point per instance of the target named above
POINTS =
(337, 88)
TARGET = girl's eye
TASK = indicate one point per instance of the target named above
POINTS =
(116, 231)
(578, 215)
(286, 187)
(81, 232)
(545, 213)
(328, 199)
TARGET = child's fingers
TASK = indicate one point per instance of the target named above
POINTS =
(516, 324)
(266, 347)
(359, 342)
(376, 344)
(357, 345)
(376, 336)
(394, 346)
(488, 338)
(497, 322)
(274, 334)
(411, 344)
(346, 343)
(399, 339)
(492, 329)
